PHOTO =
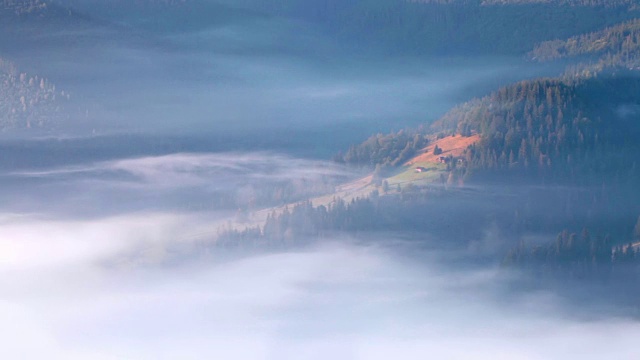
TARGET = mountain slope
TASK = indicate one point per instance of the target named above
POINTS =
(604, 50)
(580, 129)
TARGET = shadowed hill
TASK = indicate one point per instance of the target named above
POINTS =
(600, 51)
(579, 129)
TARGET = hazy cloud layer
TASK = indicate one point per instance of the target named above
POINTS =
(138, 283)
(188, 169)
(98, 290)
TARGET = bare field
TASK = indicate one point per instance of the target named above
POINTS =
(451, 145)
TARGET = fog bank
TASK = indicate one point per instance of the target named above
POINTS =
(99, 290)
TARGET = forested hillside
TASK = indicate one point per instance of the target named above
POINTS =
(601, 51)
(409, 209)
(386, 150)
(578, 129)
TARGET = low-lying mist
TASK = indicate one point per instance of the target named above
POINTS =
(100, 289)
(148, 282)
(192, 182)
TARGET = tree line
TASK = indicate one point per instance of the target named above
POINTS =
(391, 149)
(577, 255)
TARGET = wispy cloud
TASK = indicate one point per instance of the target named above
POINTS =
(176, 182)
(189, 169)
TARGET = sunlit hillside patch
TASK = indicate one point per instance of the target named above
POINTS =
(454, 146)
(431, 166)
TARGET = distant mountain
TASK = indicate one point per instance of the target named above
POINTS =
(451, 26)
(600, 51)
(160, 15)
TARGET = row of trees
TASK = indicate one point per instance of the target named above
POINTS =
(574, 255)
(303, 223)
(609, 51)
(456, 217)
(412, 210)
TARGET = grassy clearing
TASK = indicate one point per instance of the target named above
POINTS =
(410, 175)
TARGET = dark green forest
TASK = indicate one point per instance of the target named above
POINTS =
(388, 150)
(581, 131)
(605, 51)
(618, 43)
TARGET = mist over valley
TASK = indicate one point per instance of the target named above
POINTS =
(313, 179)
